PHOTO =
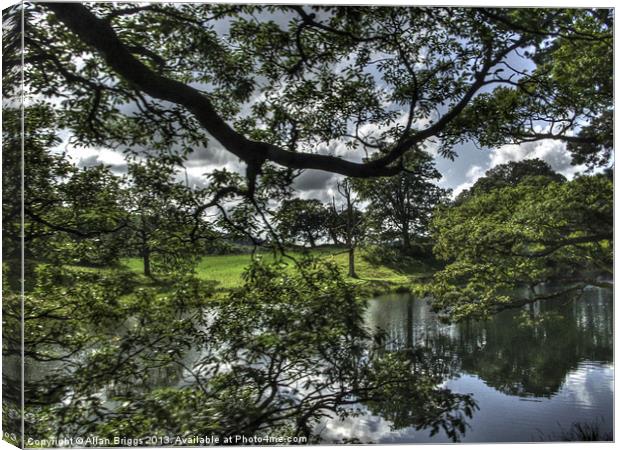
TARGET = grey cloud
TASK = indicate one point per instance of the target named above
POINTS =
(313, 179)
(324, 191)
(323, 195)
(213, 154)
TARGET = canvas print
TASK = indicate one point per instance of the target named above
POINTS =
(281, 224)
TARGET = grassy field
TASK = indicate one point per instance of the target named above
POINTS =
(227, 269)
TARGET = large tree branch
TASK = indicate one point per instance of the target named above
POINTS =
(99, 34)
(569, 33)
(532, 137)
(479, 81)
(309, 20)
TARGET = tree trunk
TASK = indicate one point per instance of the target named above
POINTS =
(146, 260)
(406, 237)
(352, 273)
(311, 240)
(334, 238)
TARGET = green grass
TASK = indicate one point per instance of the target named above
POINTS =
(227, 269)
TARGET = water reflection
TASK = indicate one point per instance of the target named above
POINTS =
(547, 364)
(273, 359)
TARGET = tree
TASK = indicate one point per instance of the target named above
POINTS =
(401, 206)
(352, 226)
(333, 224)
(518, 244)
(62, 202)
(571, 80)
(301, 219)
(57, 215)
(511, 174)
(285, 80)
(165, 216)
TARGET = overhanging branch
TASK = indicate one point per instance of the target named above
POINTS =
(99, 34)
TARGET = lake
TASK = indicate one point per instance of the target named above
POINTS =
(533, 372)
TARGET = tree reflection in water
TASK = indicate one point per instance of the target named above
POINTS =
(526, 352)
(273, 358)
(548, 341)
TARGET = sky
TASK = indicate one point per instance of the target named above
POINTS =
(470, 164)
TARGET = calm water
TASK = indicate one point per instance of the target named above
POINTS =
(533, 372)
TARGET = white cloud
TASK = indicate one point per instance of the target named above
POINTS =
(105, 156)
(92, 156)
(472, 174)
(551, 151)
(475, 172)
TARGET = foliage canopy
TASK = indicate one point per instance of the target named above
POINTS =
(280, 84)
(517, 244)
